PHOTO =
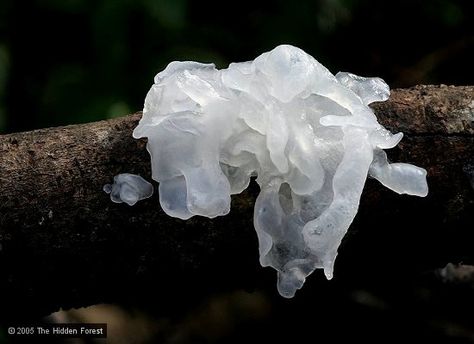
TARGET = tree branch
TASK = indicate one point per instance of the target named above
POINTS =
(63, 243)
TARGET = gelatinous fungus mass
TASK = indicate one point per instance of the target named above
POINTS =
(128, 188)
(308, 136)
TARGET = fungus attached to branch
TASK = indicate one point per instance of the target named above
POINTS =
(308, 136)
(128, 188)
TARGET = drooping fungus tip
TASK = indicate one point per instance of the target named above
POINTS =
(128, 188)
(308, 136)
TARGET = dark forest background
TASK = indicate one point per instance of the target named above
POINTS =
(72, 61)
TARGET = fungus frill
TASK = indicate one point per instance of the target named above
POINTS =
(308, 136)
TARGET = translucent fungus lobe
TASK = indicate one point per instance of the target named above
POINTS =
(128, 188)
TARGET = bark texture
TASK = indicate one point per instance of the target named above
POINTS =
(63, 243)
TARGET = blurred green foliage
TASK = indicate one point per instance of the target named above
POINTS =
(71, 61)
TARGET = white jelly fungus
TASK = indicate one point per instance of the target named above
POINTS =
(128, 188)
(308, 136)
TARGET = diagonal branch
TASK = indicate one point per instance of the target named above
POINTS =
(63, 242)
